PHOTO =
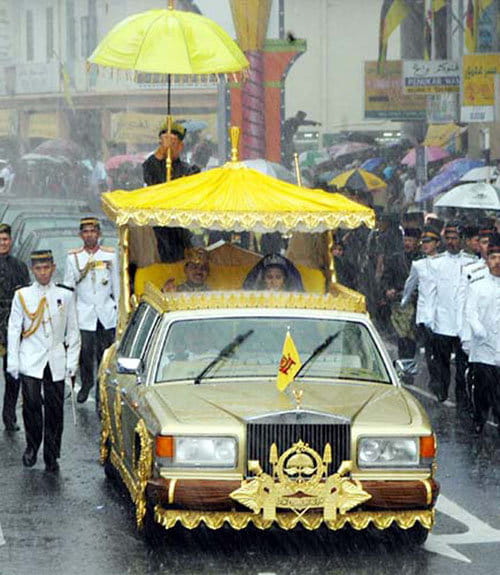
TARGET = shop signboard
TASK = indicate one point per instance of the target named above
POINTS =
(431, 76)
(478, 87)
(384, 97)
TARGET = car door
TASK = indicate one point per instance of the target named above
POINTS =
(124, 388)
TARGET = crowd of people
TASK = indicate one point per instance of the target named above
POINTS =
(421, 279)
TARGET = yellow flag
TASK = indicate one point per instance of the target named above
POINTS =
(289, 364)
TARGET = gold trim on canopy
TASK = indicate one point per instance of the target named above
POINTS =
(235, 197)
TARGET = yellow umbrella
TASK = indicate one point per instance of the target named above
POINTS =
(235, 197)
(171, 42)
(358, 180)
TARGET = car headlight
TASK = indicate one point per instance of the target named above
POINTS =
(389, 452)
(201, 451)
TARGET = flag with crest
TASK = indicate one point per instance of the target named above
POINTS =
(289, 364)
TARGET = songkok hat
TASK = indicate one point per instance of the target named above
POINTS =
(41, 256)
(430, 234)
(196, 256)
(412, 232)
(486, 232)
(494, 244)
(5, 229)
(90, 221)
(435, 222)
(452, 228)
(469, 231)
(413, 220)
(178, 129)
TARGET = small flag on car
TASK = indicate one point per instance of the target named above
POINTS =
(289, 364)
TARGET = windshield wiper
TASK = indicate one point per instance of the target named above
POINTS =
(317, 351)
(224, 353)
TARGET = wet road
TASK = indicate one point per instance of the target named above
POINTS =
(80, 522)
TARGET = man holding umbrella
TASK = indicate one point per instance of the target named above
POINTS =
(171, 241)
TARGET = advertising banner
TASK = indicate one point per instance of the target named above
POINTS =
(478, 87)
(430, 76)
(384, 97)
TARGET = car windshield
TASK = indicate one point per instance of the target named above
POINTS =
(191, 345)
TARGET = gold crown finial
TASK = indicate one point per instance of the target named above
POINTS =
(234, 135)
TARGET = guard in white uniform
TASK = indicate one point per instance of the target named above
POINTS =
(92, 271)
(482, 314)
(420, 279)
(43, 349)
(446, 271)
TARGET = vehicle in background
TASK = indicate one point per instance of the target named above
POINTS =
(11, 206)
(24, 223)
(60, 241)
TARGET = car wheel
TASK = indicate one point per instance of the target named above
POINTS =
(154, 533)
(412, 537)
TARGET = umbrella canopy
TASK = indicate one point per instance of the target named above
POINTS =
(448, 176)
(42, 158)
(115, 162)
(479, 196)
(481, 174)
(433, 153)
(271, 169)
(235, 197)
(348, 149)
(312, 158)
(358, 180)
(371, 164)
(168, 41)
(60, 147)
(194, 125)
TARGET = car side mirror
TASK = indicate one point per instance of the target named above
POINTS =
(130, 365)
(405, 369)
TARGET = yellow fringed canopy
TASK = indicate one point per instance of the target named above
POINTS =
(235, 197)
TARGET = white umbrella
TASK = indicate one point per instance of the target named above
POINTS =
(481, 174)
(479, 196)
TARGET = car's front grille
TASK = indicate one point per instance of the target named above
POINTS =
(260, 437)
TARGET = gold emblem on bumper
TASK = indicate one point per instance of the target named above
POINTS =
(300, 482)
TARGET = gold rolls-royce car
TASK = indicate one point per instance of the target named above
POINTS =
(203, 424)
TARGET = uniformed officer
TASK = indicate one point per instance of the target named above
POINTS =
(196, 270)
(92, 270)
(446, 271)
(397, 270)
(420, 279)
(13, 274)
(483, 316)
(171, 241)
(44, 343)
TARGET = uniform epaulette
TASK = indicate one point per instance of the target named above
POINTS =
(17, 288)
(65, 287)
(108, 249)
(471, 263)
(477, 279)
(75, 250)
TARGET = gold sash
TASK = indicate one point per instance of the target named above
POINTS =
(36, 317)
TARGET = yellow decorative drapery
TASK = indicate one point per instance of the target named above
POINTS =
(235, 197)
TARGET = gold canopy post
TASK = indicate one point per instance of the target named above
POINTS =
(297, 168)
(332, 276)
(124, 307)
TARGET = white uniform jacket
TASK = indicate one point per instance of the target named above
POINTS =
(482, 313)
(446, 271)
(471, 272)
(42, 331)
(96, 280)
(420, 278)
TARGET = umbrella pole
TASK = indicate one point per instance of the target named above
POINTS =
(169, 81)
